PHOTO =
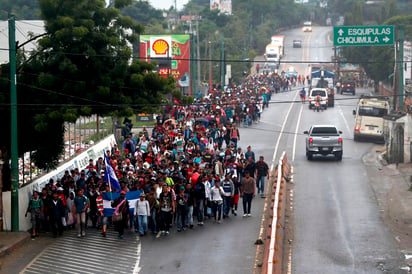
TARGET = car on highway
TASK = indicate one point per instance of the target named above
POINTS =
(291, 72)
(307, 26)
(324, 140)
(323, 93)
(348, 86)
(297, 43)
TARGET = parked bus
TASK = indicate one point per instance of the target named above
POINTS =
(369, 117)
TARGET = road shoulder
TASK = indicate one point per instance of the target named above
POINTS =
(22, 250)
(392, 187)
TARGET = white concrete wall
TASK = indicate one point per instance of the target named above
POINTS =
(407, 138)
(25, 192)
(407, 57)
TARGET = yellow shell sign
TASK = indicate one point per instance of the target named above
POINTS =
(160, 47)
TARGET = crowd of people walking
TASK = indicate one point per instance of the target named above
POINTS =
(190, 167)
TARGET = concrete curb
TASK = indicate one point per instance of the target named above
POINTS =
(14, 240)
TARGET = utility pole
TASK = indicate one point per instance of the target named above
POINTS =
(222, 63)
(210, 68)
(13, 130)
(1, 189)
(400, 65)
(193, 66)
(198, 53)
(244, 55)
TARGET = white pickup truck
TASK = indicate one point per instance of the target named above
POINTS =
(324, 140)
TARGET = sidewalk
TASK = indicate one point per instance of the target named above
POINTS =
(394, 194)
(11, 240)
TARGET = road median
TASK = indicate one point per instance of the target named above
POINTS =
(270, 255)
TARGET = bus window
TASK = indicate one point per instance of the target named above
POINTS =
(372, 112)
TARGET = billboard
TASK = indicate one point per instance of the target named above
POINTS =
(224, 6)
(175, 47)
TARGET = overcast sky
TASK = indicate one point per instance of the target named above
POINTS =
(166, 4)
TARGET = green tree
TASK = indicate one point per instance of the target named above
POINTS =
(393, 10)
(143, 13)
(22, 9)
(81, 67)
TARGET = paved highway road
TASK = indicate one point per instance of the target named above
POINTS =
(337, 223)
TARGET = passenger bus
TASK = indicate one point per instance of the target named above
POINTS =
(369, 120)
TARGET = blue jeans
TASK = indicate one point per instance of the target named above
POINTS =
(189, 215)
(226, 204)
(217, 210)
(165, 219)
(135, 224)
(200, 210)
(234, 140)
(152, 220)
(260, 184)
(142, 223)
(247, 202)
(181, 217)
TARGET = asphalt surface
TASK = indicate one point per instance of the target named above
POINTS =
(337, 213)
(338, 228)
(90, 254)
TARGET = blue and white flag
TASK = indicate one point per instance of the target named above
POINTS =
(109, 175)
(131, 196)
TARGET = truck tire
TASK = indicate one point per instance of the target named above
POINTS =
(338, 156)
(309, 156)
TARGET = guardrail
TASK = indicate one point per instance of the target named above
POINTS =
(273, 252)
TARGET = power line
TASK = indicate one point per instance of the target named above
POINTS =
(31, 24)
(227, 60)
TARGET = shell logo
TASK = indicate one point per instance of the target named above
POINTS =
(160, 47)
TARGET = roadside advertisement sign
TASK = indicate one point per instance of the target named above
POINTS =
(224, 6)
(144, 117)
(176, 47)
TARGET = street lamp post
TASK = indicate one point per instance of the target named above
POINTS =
(210, 68)
(13, 130)
(222, 63)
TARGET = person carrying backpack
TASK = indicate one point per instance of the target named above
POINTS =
(303, 95)
(142, 212)
(36, 209)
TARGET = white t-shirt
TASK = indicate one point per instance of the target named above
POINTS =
(142, 208)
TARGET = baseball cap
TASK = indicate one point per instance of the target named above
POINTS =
(122, 192)
(142, 194)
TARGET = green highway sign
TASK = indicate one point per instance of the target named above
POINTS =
(363, 36)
